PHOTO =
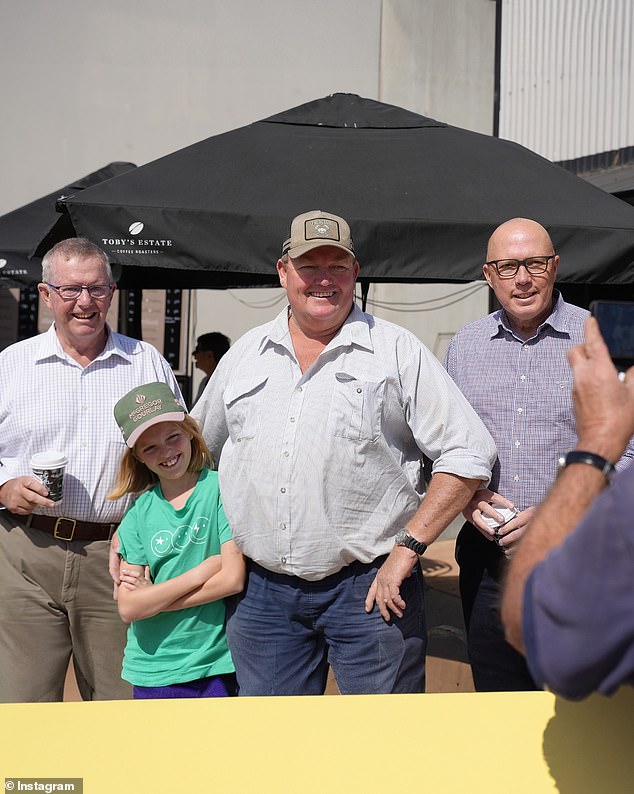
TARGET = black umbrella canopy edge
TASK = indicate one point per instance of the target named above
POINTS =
(233, 244)
(399, 256)
(36, 223)
(60, 227)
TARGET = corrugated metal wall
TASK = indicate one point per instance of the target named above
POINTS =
(567, 76)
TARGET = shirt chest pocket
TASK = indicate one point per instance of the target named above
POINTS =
(356, 408)
(243, 399)
(552, 399)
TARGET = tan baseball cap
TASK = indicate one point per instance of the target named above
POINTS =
(315, 228)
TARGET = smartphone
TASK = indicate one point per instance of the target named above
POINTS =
(616, 321)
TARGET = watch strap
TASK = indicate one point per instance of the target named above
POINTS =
(403, 538)
(590, 458)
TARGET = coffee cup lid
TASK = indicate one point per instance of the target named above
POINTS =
(51, 459)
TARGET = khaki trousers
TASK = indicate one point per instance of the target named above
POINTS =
(56, 599)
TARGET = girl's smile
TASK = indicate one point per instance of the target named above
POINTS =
(165, 449)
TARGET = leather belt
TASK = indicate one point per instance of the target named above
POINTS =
(68, 529)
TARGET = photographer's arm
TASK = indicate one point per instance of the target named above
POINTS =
(604, 408)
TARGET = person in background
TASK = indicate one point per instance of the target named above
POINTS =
(568, 601)
(57, 391)
(210, 348)
(511, 365)
(178, 559)
(319, 420)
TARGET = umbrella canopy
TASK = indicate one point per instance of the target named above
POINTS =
(23, 229)
(421, 196)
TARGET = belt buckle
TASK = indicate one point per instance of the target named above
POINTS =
(56, 529)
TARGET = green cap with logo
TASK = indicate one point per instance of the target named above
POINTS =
(145, 406)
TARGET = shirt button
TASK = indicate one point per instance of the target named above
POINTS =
(520, 410)
(284, 560)
(522, 378)
(283, 490)
(282, 525)
(299, 388)
(238, 440)
(525, 347)
(359, 391)
(286, 453)
(517, 443)
(516, 478)
(292, 419)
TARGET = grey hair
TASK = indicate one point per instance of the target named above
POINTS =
(74, 246)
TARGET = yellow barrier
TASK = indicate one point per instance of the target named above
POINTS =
(522, 742)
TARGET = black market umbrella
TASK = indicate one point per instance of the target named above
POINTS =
(422, 198)
(32, 225)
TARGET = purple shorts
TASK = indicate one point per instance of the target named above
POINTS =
(215, 686)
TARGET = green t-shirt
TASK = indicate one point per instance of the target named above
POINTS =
(186, 644)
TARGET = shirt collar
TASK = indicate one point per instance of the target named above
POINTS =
(557, 319)
(50, 346)
(354, 331)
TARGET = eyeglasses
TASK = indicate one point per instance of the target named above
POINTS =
(507, 268)
(69, 292)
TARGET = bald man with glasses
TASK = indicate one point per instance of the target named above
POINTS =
(512, 367)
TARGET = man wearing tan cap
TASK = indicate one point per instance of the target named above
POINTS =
(319, 420)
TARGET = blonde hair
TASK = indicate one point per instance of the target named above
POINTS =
(134, 476)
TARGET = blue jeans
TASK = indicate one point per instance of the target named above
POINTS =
(283, 632)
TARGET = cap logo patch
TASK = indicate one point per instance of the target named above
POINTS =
(322, 227)
(139, 399)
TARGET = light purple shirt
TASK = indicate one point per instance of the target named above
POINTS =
(522, 391)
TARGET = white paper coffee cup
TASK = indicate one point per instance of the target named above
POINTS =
(49, 467)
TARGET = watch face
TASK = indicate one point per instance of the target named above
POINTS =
(400, 537)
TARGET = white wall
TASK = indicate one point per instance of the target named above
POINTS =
(84, 83)
(437, 58)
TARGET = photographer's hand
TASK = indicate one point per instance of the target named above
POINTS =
(604, 404)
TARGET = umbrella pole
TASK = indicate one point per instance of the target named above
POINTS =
(365, 288)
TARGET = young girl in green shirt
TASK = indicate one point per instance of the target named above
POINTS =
(178, 561)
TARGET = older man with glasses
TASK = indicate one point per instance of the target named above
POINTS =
(57, 392)
(512, 367)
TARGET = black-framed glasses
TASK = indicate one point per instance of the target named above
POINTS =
(507, 268)
(69, 292)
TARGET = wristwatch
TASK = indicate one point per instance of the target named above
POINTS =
(592, 459)
(403, 538)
